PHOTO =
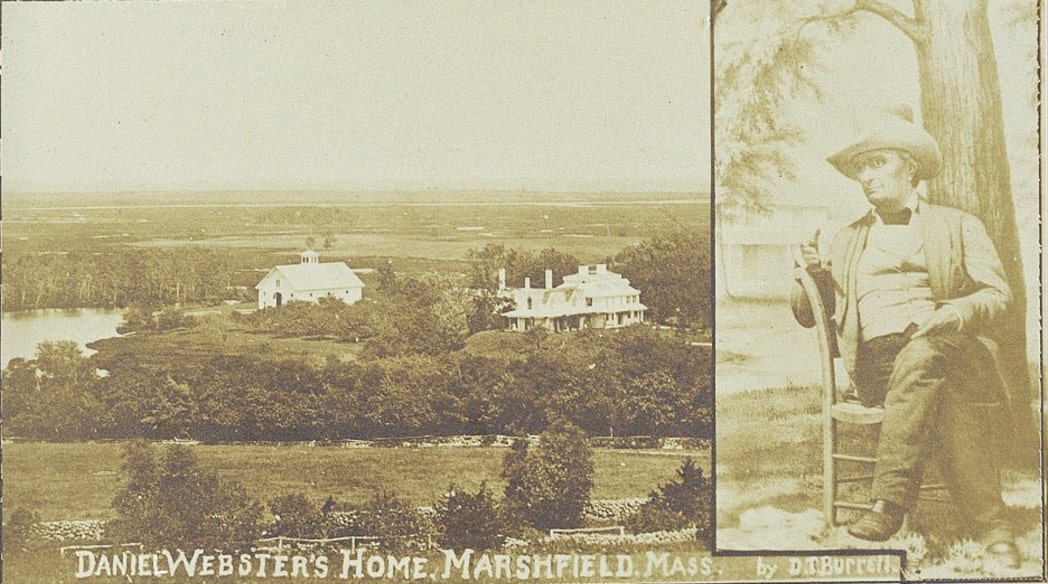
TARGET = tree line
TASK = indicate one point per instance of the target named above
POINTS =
(635, 382)
(118, 278)
(672, 271)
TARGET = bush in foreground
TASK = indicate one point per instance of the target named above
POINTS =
(296, 516)
(170, 499)
(19, 528)
(549, 486)
(468, 520)
(677, 504)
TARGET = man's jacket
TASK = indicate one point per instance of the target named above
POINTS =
(963, 270)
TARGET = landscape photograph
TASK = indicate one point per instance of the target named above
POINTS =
(327, 291)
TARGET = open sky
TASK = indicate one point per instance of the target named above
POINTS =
(364, 95)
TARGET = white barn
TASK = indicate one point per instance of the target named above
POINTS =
(309, 281)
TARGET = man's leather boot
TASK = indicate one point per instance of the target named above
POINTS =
(879, 523)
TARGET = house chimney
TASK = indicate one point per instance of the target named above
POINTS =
(502, 278)
(527, 283)
(549, 279)
(583, 270)
(602, 268)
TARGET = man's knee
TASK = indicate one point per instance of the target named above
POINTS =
(921, 356)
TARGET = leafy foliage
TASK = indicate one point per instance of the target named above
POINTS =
(170, 499)
(469, 520)
(519, 264)
(687, 501)
(389, 516)
(50, 397)
(296, 516)
(17, 531)
(486, 312)
(549, 486)
(122, 277)
(769, 59)
(141, 318)
(673, 274)
(636, 381)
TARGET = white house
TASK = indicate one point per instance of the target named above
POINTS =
(309, 281)
(591, 298)
(755, 252)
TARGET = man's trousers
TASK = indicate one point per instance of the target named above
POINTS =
(938, 392)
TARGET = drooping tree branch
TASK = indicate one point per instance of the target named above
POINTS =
(912, 28)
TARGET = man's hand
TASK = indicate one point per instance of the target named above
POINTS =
(810, 252)
(943, 321)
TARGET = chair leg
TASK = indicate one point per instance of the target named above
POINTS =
(829, 470)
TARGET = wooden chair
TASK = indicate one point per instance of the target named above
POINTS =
(834, 412)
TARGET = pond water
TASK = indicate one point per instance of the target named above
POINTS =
(21, 331)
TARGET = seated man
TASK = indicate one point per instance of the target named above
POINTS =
(913, 285)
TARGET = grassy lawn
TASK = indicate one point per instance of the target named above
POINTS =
(217, 335)
(79, 480)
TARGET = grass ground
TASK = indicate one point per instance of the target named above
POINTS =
(218, 335)
(769, 489)
(79, 480)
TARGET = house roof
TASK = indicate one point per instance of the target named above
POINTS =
(567, 299)
(324, 276)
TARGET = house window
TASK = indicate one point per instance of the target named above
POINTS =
(278, 282)
(529, 303)
(589, 302)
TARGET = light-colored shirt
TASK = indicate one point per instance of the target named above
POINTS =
(892, 280)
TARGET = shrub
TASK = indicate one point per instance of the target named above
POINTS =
(296, 516)
(171, 500)
(468, 520)
(18, 529)
(385, 515)
(172, 318)
(549, 486)
(678, 504)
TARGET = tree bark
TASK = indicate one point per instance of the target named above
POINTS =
(961, 106)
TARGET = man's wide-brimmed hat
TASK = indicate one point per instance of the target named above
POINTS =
(893, 129)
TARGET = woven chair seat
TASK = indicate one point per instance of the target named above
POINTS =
(855, 413)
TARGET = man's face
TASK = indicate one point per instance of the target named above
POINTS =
(885, 176)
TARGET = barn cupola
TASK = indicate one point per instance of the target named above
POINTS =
(309, 257)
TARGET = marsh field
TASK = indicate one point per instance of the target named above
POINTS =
(417, 231)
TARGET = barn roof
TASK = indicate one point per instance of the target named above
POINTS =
(317, 276)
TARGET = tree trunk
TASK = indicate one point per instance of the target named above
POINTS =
(961, 106)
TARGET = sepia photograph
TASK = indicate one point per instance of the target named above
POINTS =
(878, 221)
(368, 290)
(599, 291)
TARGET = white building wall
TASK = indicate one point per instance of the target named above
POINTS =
(268, 289)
